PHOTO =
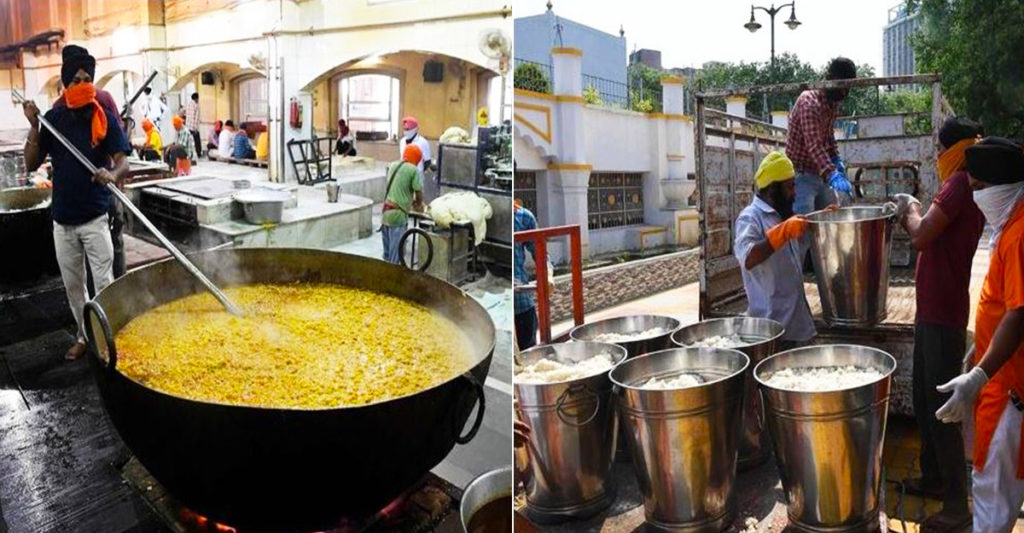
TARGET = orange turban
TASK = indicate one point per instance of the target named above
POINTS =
(177, 121)
(412, 154)
(147, 125)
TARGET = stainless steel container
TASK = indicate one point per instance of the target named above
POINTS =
(333, 188)
(684, 441)
(850, 251)
(628, 325)
(829, 444)
(760, 336)
(484, 489)
(262, 206)
(573, 436)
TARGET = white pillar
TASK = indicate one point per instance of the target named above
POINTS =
(571, 176)
(736, 105)
(780, 119)
(673, 185)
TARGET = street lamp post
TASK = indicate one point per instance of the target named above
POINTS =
(792, 23)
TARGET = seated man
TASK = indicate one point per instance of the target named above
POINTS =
(152, 149)
(241, 146)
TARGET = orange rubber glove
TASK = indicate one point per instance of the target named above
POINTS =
(787, 230)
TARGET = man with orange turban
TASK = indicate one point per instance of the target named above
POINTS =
(81, 199)
(404, 191)
(185, 139)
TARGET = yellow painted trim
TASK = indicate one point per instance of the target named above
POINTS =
(675, 157)
(679, 229)
(546, 133)
(673, 80)
(567, 51)
(570, 166)
(569, 99)
(684, 118)
(653, 231)
(534, 94)
(743, 99)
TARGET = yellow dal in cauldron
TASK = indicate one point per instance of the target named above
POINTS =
(299, 345)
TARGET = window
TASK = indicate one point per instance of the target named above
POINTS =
(615, 199)
(526, 190)
(252, 100)
(369, 103)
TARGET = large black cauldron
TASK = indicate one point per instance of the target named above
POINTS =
(287, 469)
(26, 234)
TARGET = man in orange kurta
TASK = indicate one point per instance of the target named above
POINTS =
(994, 388)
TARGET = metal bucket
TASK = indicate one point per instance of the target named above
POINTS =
(573, 436)
(333, 188)
(850, 251)
(684, 441)
(484, 489)
(627, 325)
(829, 444)
(762, 333)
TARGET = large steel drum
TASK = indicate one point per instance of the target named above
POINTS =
(573, 435)
(684, 441)
(287, 469)
(628, 325)
(760, 336)
(850, 251)
(26, 234)
(829, 444)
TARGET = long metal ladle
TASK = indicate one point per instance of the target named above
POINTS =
(231, 307)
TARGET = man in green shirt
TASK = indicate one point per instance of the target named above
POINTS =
(404, 191)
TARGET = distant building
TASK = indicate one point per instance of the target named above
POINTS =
(898, 54)
(604, 54)
(646, 56)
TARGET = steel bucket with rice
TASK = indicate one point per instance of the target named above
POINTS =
(573, 435)
(850, 251)
(757, 338)
(684, 440)
(638, 334)
(828, 442)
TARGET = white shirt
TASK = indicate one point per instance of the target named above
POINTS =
(156, 109)
(224, 144)
(775, 288)
(420, 141)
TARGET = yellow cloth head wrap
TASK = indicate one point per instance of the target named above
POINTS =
(774, 167)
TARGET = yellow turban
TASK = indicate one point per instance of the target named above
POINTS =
(481, 116)
(774, 167)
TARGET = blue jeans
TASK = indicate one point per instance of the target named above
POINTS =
(391, 237)
(812, 194)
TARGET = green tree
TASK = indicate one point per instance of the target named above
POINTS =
(530, 77)
(976, 46)
(644, 88)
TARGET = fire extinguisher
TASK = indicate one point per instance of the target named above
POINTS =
(295, 113)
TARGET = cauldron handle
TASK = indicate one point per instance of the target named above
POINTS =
(478, 389)
(93, 307)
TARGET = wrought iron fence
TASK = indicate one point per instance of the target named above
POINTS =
(532, 76)
(604, 92)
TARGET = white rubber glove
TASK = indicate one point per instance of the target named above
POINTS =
(965, 389)
(903, 202)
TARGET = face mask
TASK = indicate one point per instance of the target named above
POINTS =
(996, 203)
(409, 134)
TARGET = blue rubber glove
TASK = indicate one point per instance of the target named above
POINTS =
(840, 166)
(837, 180)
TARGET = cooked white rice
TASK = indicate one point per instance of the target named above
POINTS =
(681, 381)
(626, 337)
(822, 378)
(551, 371)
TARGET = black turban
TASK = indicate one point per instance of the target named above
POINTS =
(996, 161)
(955, 129)
(76, 58)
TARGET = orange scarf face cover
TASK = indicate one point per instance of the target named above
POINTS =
(83, 94)
(953, 159)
